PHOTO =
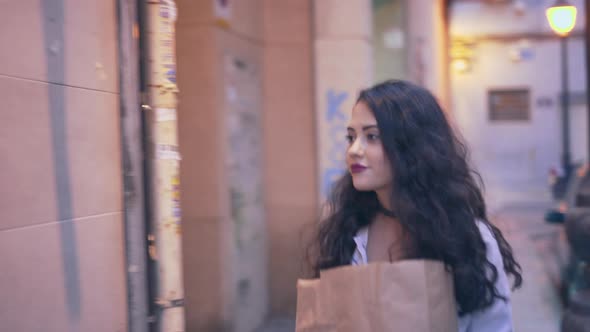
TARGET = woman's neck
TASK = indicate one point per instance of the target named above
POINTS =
(384, 197)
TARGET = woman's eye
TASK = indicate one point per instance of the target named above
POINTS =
(372, 137)
(349, 139)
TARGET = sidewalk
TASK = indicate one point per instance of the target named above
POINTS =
(540, 248)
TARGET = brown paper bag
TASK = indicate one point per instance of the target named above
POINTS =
(410, 295)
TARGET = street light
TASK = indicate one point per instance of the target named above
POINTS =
(562, 18)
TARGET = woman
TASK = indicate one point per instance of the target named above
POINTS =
(409, 193)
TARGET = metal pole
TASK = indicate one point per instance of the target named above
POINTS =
(587, 39)
(164, 236)
(133, 171)
(565, 115)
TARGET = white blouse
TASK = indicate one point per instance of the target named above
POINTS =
(495, 318)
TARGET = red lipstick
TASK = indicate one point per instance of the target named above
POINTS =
(357, 168)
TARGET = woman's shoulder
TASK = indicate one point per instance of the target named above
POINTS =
(498, 316)
(485, 231)
(493, 253)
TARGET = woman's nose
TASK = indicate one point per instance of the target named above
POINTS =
(356, 149)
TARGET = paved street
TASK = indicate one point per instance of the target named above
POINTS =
(540, 248)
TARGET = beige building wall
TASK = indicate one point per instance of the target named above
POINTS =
(428, 47)
(290, 145)
(61, 232)
(248, 74)
(219, 65)
(343, 56)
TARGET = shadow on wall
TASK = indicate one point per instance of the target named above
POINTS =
(53, 28)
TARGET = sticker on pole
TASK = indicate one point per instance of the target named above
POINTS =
(222, 12)
(165, 114)
(167, 152)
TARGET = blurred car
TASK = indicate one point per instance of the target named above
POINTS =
(570, 208)
(565, 189)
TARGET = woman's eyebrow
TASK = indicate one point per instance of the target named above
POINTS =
(364, 127)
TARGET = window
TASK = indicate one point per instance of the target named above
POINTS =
(509, 105)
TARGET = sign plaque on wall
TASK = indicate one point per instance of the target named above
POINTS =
(509, 104)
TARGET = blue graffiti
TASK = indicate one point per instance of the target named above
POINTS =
(335, 100)
(335, 119)
(337, 135)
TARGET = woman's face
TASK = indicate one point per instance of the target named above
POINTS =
(365, 157)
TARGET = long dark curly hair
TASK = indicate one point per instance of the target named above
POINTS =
(435, 196)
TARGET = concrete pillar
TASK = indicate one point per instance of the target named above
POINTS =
(343, 65)
(289, 143)
(428, 51)
(220, 127)
(62, 248)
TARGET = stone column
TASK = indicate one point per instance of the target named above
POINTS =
(219, 55)
(428, 52)
(343, 66)
(289, 143)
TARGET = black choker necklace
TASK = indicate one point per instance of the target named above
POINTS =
(386, 212)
